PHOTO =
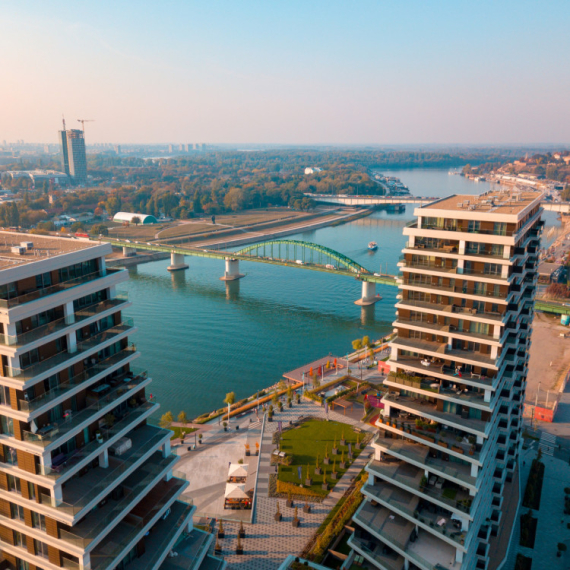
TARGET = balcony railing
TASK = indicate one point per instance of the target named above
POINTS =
(25, 374)
(93, 446)
(64, 387)
(95, 490)
(63, 323)
(93, 530)
(51, 433)
(63, 286)
(428, 284)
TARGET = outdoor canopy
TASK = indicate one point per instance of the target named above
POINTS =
(237, 470)
(235, 491)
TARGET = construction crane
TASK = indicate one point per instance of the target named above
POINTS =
(83, 121)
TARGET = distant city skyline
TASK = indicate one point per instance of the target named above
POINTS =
(325, 72)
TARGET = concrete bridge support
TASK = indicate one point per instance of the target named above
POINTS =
(176, 262)
(129, 251)
(369, 296)
(232, 270)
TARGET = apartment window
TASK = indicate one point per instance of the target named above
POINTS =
(19, 539)
(31, 490)
(497, 250)
(90, 299)
(4, 396)
(474, 226)
(479, 306)
(14, 484)
(8, 291)
(23, 565)
(43, 280)
(475, 248)
(41, 549)
(492, 269)
(10, 455)
(29, 358)
(500, 229)
(479, 328)
(38, 521)
(7, 425)
(17, 512)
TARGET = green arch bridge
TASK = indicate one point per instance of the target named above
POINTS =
(287, 253)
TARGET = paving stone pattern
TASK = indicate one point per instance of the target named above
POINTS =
(268, 542)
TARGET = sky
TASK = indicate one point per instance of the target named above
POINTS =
(287, 72)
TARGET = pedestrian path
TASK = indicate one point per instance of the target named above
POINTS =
(547, 443)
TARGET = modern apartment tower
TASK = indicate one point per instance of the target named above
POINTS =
(443, 484)
(85, 481)
(73, 157)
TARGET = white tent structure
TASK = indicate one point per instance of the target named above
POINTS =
(128, 217)
(237, 473)
(236, 497)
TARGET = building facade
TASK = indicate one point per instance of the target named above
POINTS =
(76, 155)
(443, 483)
(62, 136)
(85, 481)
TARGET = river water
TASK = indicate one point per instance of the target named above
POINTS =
(201, 338)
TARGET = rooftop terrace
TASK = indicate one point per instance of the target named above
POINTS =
(507, 201)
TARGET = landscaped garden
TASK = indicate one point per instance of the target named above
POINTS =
(320, 449)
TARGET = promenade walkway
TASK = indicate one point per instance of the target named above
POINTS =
(268, 542)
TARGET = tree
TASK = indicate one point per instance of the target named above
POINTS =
(77, 226)
(229, 400)
(182, 418)
(357, 344)
(365, 341)
(99, 230)
(166, 420)
(135, 220)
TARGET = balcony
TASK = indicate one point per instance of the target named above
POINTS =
(63, 286)
(444, 329)
(453, 228)
(82, 489)
(377, 552)
(409, 505)
(420, 456)
(429, 285)
(63, 323)
(426, 408)
(48, 435)
(47, 365)
(441, 348)
(406, 475)
(141, 519)
(192, 548)
(443, 372)
(91, 372)
(451, 309)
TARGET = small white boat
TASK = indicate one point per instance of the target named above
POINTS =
(372, 246)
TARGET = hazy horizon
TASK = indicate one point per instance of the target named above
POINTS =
(323, 73)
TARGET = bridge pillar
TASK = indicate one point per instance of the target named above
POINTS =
(369, 296)
(129, 251)
(176, 262)
(232, 270)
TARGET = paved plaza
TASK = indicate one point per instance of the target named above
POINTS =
(267, 542)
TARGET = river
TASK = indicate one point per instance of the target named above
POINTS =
(201, 338)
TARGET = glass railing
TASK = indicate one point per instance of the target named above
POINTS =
(91, 372)
(64, 285)
(129, 495)
(67, 563)
(104, 560)
(25, 374)
(111, 477)
(64, 322)
(48, 434)
(374, 553)
(106, 433)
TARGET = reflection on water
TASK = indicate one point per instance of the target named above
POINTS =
(201, 337)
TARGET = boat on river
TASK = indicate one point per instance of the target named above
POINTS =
(372, 246)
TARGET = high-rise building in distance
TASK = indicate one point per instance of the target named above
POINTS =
(443, 484)
(85, 482)
(74, 159)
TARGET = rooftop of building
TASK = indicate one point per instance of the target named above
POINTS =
(43, 247)
(504, 201)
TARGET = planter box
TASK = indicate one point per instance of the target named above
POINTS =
(335, 450)
(221, 534)
(443, 444)
(239, 551)
(295, 523)
(327, 460)
(342, 442)
(307, 509)
(289, 504)
(334, 476)
(318, 471)
(457, 449)
(278, 517)
(325, 486)
(241, 533)
(343, 464)
(308, 482)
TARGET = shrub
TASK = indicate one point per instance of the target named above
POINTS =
(286, 488)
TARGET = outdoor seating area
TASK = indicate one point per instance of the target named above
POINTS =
(237, 473)
(236, 497)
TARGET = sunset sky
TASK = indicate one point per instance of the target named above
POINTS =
(295, 72)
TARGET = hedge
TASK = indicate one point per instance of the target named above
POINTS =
(286, 488)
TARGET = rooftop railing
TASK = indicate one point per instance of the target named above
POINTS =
(63, 286)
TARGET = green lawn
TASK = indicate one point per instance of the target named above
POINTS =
(177, 430)
(310, 439)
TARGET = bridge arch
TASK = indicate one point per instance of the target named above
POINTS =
(307, 252)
